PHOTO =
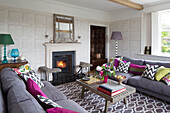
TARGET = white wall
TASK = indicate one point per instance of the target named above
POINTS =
(28, 28)
(137, 34)
(52, 6)
(130, 45)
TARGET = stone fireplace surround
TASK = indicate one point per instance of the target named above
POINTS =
(58, 47)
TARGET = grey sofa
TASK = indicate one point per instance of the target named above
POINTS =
(155, 88)
(14, 98)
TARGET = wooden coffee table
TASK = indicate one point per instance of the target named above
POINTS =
(109, 99)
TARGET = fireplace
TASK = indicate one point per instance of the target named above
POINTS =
(66, 61)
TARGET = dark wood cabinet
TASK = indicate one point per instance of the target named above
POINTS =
(97, 46)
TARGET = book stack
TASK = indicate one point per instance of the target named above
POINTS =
(111, 89)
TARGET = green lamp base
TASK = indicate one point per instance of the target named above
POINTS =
(5, 61)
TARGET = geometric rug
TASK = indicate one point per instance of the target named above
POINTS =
(136, 102)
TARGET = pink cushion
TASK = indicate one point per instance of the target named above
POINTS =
(59, 110)
(116, 62)
(136, 69)
(34, 89)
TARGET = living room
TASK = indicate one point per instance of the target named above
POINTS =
(30, 24)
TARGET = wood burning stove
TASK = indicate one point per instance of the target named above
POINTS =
(66, 61)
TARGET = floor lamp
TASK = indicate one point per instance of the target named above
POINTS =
(116, 35)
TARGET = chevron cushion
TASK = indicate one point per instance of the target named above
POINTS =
(150, 71)
(46, 103)
(123, 67)
(31, 74)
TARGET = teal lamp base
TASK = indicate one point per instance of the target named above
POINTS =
(5, 60)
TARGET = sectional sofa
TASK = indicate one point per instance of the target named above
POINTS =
(14, 98)
(151, 87)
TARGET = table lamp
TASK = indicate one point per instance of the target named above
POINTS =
(116, 35)
(5, 39)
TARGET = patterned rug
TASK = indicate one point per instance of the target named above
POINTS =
(137, 102)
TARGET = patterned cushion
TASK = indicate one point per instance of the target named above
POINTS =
(150, 71)
(31, 74)
(112, 61)
(123, 67)
(136, 69)
(34, 89)
(166, 79)
(22, 69)
(47, 103)
(161, 72)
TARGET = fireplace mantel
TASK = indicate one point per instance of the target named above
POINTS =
(56, 47)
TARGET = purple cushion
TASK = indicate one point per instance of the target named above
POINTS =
(59, 110)
(136, 69)
(116, 62)
(34, 89)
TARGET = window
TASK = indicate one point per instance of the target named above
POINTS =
(165, 31)
(161, 33)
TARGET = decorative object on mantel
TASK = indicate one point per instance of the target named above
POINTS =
(78, 40)
(116, 35)
(14, 53)
(5, 39)
(63, 28)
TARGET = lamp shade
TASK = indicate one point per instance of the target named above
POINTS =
(6, 39)
(116, 35)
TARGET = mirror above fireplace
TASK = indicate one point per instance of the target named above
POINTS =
(63, 28)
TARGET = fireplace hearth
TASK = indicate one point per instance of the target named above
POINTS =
(66, 61)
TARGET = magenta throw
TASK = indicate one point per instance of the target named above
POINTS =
(59, 110)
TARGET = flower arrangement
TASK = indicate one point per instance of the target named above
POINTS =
(105, 70)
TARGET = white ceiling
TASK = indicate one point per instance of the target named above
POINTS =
(105, 5)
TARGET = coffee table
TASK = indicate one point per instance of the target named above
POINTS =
(109, 99)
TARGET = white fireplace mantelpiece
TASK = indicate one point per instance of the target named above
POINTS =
(58, 47)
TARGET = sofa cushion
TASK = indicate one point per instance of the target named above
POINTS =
(150, 71)
(31, 74)
(10, 78)
(160, 63)
(161, 72)
(34, 89)
(123, 67)
(166, 79)
(134, 61)
(47, 103)
(22, 69)
(21, 101)
(128, 75)
(136, 69)
(71, 105)
(52, 92)
(155, 86)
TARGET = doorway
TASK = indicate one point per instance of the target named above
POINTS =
(97, 46)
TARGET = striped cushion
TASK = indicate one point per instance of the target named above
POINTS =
(136, 69)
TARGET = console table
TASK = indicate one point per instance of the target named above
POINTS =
(12, 64)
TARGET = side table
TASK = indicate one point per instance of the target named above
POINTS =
(13, 64)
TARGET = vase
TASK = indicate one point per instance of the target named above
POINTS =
(105, 79)
(14, 53)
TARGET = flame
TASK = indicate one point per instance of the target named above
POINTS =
(61, 64)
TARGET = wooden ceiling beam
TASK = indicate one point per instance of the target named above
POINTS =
(128, 3)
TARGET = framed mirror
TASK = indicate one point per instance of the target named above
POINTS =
(63, 28)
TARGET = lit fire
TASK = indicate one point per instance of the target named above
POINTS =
(61, 64)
